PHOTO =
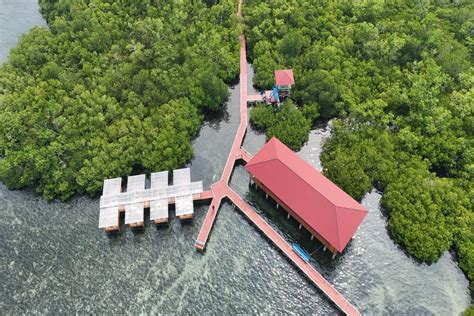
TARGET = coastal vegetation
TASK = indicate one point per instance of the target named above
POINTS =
(288, 124)
(111, 86)
(396, 77)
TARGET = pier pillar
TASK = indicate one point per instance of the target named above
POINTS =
(301, 226)
(288, 216)
(312, 237)
(333, 256)
(324, 248)
(266, 195)
(278, 205)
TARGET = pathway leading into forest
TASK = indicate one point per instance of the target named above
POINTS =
(221, 190)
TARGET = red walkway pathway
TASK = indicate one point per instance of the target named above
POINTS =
(286, 248)
(221, 189)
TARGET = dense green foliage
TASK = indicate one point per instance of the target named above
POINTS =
(288, 124)
(111, 86)
(469, 311)
(398, 77)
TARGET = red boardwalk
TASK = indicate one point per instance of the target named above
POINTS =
(221, 190)
(255, 98)
(244, 155)
(281, 243)
(206, 195)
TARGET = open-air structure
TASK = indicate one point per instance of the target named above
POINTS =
(284, 80)
(137, 197)
(326, 211)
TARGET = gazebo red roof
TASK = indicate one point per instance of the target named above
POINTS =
(317, 201)
(284, 77)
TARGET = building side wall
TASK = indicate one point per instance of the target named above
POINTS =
(293, 214)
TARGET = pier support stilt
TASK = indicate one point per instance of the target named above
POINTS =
(312, 237)
(278, 205)
(266, 196)
(288, 216)
(301, 226)
(333, 256)
(324, 248)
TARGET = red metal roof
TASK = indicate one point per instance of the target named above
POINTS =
(284, 77)
(321, 204)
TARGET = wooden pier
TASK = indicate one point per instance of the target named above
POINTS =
(137, 197)
(221, 189)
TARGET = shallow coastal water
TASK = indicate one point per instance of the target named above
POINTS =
(16, 18)
(54, 259)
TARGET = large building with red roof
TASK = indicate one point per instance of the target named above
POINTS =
(319, 205)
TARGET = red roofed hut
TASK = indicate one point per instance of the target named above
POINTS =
(284, 79)
(319, 205)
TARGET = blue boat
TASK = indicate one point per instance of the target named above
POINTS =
(301, 252)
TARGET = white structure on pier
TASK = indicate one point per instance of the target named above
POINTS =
(157, 197)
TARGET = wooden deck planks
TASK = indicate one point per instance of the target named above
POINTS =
(159, 210)
(134, 212)
(109, 216)
(157, 197)
(184, 203)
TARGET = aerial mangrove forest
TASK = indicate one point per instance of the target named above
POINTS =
(110, 86)
(396, 78)
(114, 86)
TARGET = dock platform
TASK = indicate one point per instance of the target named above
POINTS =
(109, 216)
(137, 197)
(159, 208)
(184, 203)
(134, 212)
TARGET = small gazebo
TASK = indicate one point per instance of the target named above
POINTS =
(284, 80)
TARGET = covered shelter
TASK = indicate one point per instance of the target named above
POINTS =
(325, 210)
(284, 79)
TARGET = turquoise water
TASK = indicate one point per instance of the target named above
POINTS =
(54, 260)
